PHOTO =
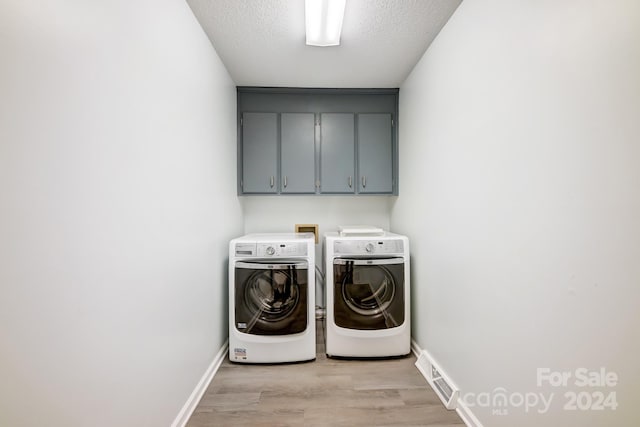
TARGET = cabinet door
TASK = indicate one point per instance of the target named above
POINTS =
(297, 153)
(337, 147)
(259, 152)
(375, 153)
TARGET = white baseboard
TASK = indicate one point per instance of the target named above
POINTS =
(467, 416)
(191, 403)
(465, 413)
(415, 348)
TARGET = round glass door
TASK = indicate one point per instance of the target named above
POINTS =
(271, 299)
(368, 293)
(273, 294)
(369, 290)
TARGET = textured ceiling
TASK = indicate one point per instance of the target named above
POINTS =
(262, 42)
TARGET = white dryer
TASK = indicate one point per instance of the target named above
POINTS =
(272, 298)
(367, 295)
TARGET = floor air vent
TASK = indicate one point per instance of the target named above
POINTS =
(444, 388)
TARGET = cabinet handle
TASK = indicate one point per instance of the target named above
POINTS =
(285, 181)
(350, 183)
(271, 182)
(364, 181)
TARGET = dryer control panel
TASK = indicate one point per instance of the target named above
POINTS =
(271, 249)
(368, 247)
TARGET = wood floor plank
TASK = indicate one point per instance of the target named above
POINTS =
(325, 392)
(226, 402)
(332, 400)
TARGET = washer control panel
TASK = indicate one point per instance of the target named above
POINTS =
(368, 247)
(271, 249)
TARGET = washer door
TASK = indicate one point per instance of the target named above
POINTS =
(271, 299)
(368, 293)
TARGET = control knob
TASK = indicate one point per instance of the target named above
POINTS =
(270, 250)
(369, 248)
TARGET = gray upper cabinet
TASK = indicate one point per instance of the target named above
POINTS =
(259, 152)
(337, 151)
(375, 153)
(297, 147)
(317, 141)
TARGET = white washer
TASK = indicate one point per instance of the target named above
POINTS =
(367, 295)
(272, 298)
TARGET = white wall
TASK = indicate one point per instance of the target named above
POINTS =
(266, 214)
(117, 191)
(519, 148)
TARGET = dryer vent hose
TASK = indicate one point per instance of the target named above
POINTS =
(320, 286)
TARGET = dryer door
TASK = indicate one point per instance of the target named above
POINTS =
(369, 293)
(271, 298)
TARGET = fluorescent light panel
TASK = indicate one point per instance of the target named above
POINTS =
(323, 19)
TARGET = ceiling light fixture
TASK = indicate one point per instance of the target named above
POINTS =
(323, 19)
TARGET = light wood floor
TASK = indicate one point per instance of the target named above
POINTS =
(326, 392)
